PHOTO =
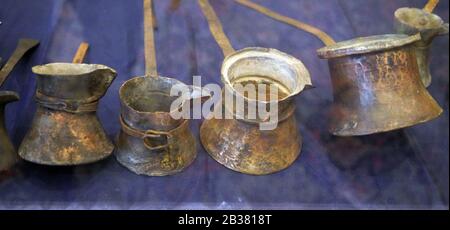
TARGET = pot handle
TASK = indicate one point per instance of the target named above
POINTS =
(149, 41)
(431, 4)
(324, 37)
(216, 27)
(23, 46)
(81, 53)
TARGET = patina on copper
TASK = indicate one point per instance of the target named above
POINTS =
(376, 85)
(376, 80)
(412, 21)
(151, 141)
(65, 129)
(239, 143)
(8, 154)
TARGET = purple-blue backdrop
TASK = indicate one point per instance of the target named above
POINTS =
(402, 169)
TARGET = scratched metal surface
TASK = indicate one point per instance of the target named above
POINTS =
(407, 169)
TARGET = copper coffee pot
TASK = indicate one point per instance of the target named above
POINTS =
(65, 129)
(151, 141)
(239, 143)
(376, 80)
(412, 21)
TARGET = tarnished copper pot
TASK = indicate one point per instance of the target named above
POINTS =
(151, 142)
(376, 85)
(242, 142)
(376, 80)
(8, 155)
(412, 21)
(65, 129)
(239, 143)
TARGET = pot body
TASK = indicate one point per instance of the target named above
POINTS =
(65, 129)
(378, 91)
(151, 142)
(8, 154)
(241, 146)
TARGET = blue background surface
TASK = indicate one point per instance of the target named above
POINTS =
(405, 169)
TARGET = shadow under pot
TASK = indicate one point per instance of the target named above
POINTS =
(377, 85)
(152, 142)
(65, 129)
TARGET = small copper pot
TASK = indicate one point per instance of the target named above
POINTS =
(376, 85)
(412, 21)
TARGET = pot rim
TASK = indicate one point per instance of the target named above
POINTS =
(434, 21)
(154, 113)
(68, 69)
(303, 75)
(364, 45)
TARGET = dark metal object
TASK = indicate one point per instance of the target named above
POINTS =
(412, 21)
(240, 144)
(65, 129)
(376, 80)
(23, 46)
(376, 85)
(8, 155)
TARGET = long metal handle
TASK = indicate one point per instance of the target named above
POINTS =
(431, 4)
(325, 38)
(22, 47)
(150, 53)
(81, 53)
(216, 27)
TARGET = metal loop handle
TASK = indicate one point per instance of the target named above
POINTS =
(149, 135)
(324, 37)
(216, 28)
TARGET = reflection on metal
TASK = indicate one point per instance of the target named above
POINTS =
(151, 142)
(376, 81)
(65, 129)
(8, 154)
(238, 143)
(412, 21)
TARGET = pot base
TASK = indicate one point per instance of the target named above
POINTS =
(63, 139)
(244, 148)
(133, 155)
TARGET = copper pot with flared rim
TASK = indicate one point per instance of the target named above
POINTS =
(239, 143)
(411, 21)
(152, 142)
(376, 85)
(376, 80)
(65, 129)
